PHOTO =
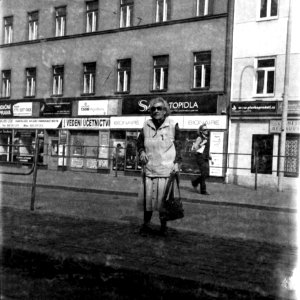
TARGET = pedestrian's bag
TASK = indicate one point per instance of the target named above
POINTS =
(171, 207)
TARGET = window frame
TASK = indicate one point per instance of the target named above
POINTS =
(163, 74)
(207, 10)
(5, 84)
(60, 21)
(32, 84)
(94, 14)
(166, 11)
(90, 88)
(268, 10)
(58, 80)
(33, 26)
(126, 17)
(126, 72)
(8, 29)
(205, 67)
(266, 71)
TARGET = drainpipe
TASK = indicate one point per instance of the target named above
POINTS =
(285, 103)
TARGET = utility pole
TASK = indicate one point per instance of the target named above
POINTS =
(285, 103)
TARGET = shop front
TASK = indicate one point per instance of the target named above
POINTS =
(254, 144)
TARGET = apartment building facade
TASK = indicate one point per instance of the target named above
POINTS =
(80, 74)
(265, 73)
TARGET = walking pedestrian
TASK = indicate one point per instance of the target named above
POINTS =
(201, 148)
(159, 151)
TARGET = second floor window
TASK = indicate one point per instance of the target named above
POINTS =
(126, 13)
(91, 16)
(89, 74)
(30, 82)
(268, 9)
(163, 10)
(58, 80)
(33, 23)
(8, 30)
(60, 21)
(265, 76)
(204, 7)
(6, 82)
(202, 66)
(160, 72)
(124, 71)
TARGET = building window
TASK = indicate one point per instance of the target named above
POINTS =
(262, 153)
(202, 66)
(33, 23)
(265, 77)
(291, 162)
(30, 82)
(268, 9)
(204, 7)
(124, 71)
(163, 10)
(8, 30)
(58, 80)
(160, 72)
(91, 16)
(89, 75)
(126, 13)
(6, 82)
(60, 21)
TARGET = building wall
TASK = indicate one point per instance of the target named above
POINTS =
(178, 41)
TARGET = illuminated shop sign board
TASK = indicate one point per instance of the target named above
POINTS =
(253, 107)
(293, 126)
(15, 109)
(30, 123)
(55, 108)
(86, 123)
(92, 108)
(200, 104)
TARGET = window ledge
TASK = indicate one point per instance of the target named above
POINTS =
(264, 96)
(87, 94)
(57, 95)
(267, 19)
(122, 93)
(200, 89)
(158, 91)
(4, 98)
(29, 97)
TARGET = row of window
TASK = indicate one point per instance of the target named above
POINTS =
(264, 79)
(268, 9)
(163, 14)
(201, 76)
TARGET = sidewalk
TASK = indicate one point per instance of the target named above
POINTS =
(73, 239)
(220, 193)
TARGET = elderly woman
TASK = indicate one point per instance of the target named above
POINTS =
(158, 147)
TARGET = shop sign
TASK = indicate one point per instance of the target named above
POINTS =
(253, 107)
(212, 122)
(5, 109)
(86, 123)
(127, 122)
(92, 108)
(5, 131)
(200, 104)
(293, 107)
(30, 123)
(293, 126)
(55, 109)
(22, 109)
(16, 109)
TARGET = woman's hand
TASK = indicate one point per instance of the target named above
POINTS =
(143, 157)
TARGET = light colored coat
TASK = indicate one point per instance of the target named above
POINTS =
(160, 148)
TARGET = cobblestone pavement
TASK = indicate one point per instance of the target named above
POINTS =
(184, 263)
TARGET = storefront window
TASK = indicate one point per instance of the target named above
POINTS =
(188, 158)
(117, 147)
(262, 153)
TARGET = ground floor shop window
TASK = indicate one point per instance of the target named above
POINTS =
(291, 162)
(117, 149)
(5, 144)
(262, 153)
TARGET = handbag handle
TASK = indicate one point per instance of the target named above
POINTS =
(170, 184)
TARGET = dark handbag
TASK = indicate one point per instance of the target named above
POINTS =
(171, 207)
